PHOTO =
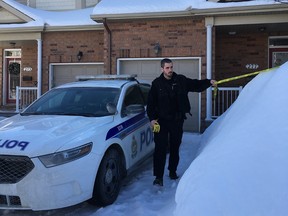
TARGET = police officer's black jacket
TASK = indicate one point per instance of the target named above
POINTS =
(168, 99)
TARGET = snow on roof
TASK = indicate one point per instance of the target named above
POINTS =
(149, 6)
(50, 18)
(82, 17)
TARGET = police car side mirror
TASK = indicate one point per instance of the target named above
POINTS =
(134, 109)
(111, 108)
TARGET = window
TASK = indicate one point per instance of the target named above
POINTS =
(145, 91)
(133, 96)
(82, 101)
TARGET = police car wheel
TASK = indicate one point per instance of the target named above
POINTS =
(108, 180)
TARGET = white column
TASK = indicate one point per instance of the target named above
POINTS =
(39, 66)
(209, 72)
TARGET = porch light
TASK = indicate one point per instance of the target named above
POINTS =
(157, 48)
(79, 55)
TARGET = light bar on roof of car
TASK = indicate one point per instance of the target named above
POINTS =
(106, 77)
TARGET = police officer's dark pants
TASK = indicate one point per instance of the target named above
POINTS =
(170, 131)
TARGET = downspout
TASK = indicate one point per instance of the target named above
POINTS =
(109, 50)
(209, 69)
(39, 66)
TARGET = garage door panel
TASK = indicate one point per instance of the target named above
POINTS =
(192, 123)
(149, 69)
(131, 66)
(143, 69)
(189, 69)
(68, 73)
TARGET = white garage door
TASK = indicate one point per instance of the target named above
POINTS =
(149, 69)
(64, 73)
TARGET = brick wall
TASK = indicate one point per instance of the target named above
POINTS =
(29, 60)
(177, 37)
(234, 52)
(63, 47)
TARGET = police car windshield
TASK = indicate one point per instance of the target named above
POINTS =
(76, 101)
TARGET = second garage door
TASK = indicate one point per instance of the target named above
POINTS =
(64, 73)
(149, 69)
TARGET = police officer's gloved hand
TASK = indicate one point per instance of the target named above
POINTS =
(156, 128)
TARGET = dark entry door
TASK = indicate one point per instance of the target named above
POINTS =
(13, 78)
(277, 56)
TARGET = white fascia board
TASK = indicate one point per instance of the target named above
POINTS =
(251, 19)
(100, 17)
(73, 28)
(23, 36)
(21, 29)
(272, 8)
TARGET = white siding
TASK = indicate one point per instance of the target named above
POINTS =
(7, 17)
(91, 3)
(59, 5)
(56, 4)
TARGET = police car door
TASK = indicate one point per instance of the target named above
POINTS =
(139, 138)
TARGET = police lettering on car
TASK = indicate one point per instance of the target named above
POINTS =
(9, 144)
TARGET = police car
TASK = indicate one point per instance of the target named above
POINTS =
(75, 143)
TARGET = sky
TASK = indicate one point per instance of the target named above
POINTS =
(237, 167)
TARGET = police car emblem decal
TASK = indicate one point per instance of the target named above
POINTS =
(133, 147)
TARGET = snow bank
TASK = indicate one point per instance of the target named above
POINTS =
(242, 166)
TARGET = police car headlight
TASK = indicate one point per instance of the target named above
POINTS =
(66, 156)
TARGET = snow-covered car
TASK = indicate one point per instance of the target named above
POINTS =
(75, 143)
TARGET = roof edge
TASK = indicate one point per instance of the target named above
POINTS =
(22, 29)
(73, 28)
(194, 11)
(47, 28)
(242, 10)
(100, 17)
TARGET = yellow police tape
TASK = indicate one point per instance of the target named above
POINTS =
(238, 77)
(156, 128)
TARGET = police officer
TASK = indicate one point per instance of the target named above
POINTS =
(167, 106)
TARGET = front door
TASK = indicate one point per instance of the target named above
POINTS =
(13, 78)
(278, 56)
(278, 51)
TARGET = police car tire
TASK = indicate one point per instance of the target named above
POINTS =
(108, 180)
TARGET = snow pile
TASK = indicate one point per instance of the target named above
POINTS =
(242, 167)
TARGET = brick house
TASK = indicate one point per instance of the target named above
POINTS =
(217, 40)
